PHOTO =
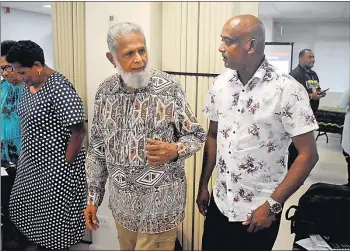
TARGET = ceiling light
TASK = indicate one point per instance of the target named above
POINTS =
(47, 6)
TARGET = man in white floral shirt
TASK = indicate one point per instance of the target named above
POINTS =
(254, 113)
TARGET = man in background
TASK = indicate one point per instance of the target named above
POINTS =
(304, 74)
(309, 79)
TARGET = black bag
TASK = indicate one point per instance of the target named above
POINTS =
(324, 209)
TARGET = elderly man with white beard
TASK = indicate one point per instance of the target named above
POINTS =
(142, 131)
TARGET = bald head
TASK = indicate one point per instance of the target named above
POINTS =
(243, 43)
(247, 27)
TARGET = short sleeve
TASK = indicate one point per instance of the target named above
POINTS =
(296, 113)
(211, 106)
(68, 105)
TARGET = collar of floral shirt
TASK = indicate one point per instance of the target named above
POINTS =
(263, 73)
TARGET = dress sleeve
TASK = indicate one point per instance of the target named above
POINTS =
(68, 105)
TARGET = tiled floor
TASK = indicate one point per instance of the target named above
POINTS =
(331, 168)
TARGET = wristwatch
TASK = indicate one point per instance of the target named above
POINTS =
(275, 206)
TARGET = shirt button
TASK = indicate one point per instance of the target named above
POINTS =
(229, 190)
(229, 152)
(228, 171)
(239, 110)
(242, 90)
(234, 132)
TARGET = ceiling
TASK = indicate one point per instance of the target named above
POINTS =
(330, 11)
(333, 11)
(29, 6)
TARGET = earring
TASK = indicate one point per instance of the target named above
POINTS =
(38, 72)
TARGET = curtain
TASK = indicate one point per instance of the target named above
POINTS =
(68, 29)
(68, 25)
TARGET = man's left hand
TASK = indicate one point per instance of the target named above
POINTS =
(260, 219)
(159, 152)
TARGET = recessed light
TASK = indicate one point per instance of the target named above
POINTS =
(47, 6)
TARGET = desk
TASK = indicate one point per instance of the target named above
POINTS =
(330, 119)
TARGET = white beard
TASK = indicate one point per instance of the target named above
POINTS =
(134, 80)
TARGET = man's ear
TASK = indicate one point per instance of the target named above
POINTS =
(251, 46)
(111, 59)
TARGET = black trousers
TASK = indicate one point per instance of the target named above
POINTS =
(220, 234)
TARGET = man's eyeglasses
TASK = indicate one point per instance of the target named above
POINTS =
(7, 68)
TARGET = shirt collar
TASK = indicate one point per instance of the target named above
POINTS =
(309, 72)
(262, 70)
(263, 73)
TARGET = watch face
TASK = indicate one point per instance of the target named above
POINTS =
(276, 208)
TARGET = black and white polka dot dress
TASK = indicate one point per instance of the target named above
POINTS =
(49, 195)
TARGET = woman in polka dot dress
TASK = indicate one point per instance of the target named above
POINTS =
(49, 194)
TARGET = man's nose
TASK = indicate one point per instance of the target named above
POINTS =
(137, 58)
(222, 48)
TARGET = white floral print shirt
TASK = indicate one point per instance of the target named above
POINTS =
(255, 126)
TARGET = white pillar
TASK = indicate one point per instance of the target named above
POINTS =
(269, 29)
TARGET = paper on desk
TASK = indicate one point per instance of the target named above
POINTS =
(308, 244)
(3, 172)
(319, 241)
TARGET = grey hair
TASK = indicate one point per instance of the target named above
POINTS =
(120, 30)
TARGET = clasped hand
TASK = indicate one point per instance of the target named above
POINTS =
(159, 152)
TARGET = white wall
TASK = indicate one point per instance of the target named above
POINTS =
(146, 14)
(25, 25)
(269, 29)
(330, 43)
(156, 35)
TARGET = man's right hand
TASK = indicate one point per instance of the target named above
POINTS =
(203, 200)
(316, 96)
(91, 218)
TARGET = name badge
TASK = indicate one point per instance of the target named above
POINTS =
(312, 84)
